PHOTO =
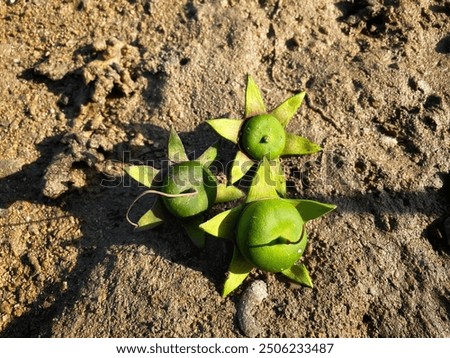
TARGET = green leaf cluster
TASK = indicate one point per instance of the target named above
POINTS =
(267, 230)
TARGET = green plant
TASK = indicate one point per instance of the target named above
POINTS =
(186, 190)
(262, 134)
(186, 177)
(268, 232)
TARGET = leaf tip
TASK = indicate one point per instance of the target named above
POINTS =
(254, 103)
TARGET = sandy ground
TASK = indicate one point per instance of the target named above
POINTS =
(86, 85)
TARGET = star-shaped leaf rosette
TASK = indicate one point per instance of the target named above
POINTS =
(262, 134)
(186, 190)
(268, 232)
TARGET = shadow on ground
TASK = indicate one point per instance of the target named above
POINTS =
(101, 210)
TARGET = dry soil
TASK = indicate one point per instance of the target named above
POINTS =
(86, 85)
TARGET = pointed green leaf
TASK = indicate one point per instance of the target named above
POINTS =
(254, 103)
(194, 232)
(224, 224)
(143, 174)
(227, 128)
(296, 145)
(299, 273)
(227, 193)
(241, 165)
(310, 209)
(263, 184)
(176, 151)
(237, 272)
(208, 156)
(286, 110)
(149, 221)
(153, 217)
(278, 175)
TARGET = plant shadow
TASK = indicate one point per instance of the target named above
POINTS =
(100, 207)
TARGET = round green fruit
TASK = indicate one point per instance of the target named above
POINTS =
(263, 136)
(188, 177)
(270, 234)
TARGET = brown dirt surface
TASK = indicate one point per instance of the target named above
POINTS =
(86, 85)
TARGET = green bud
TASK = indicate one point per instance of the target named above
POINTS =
(263, 136)
(270, 234)
(189, 177)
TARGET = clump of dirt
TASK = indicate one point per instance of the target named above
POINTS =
(87, 86)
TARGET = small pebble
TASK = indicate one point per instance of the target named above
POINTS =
(3, 213)
(5, 308)
(247, 306)
(388, 142)
(34, 262)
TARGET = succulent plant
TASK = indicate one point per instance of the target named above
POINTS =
(268, 232)
(186, 189)
(262, 134)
